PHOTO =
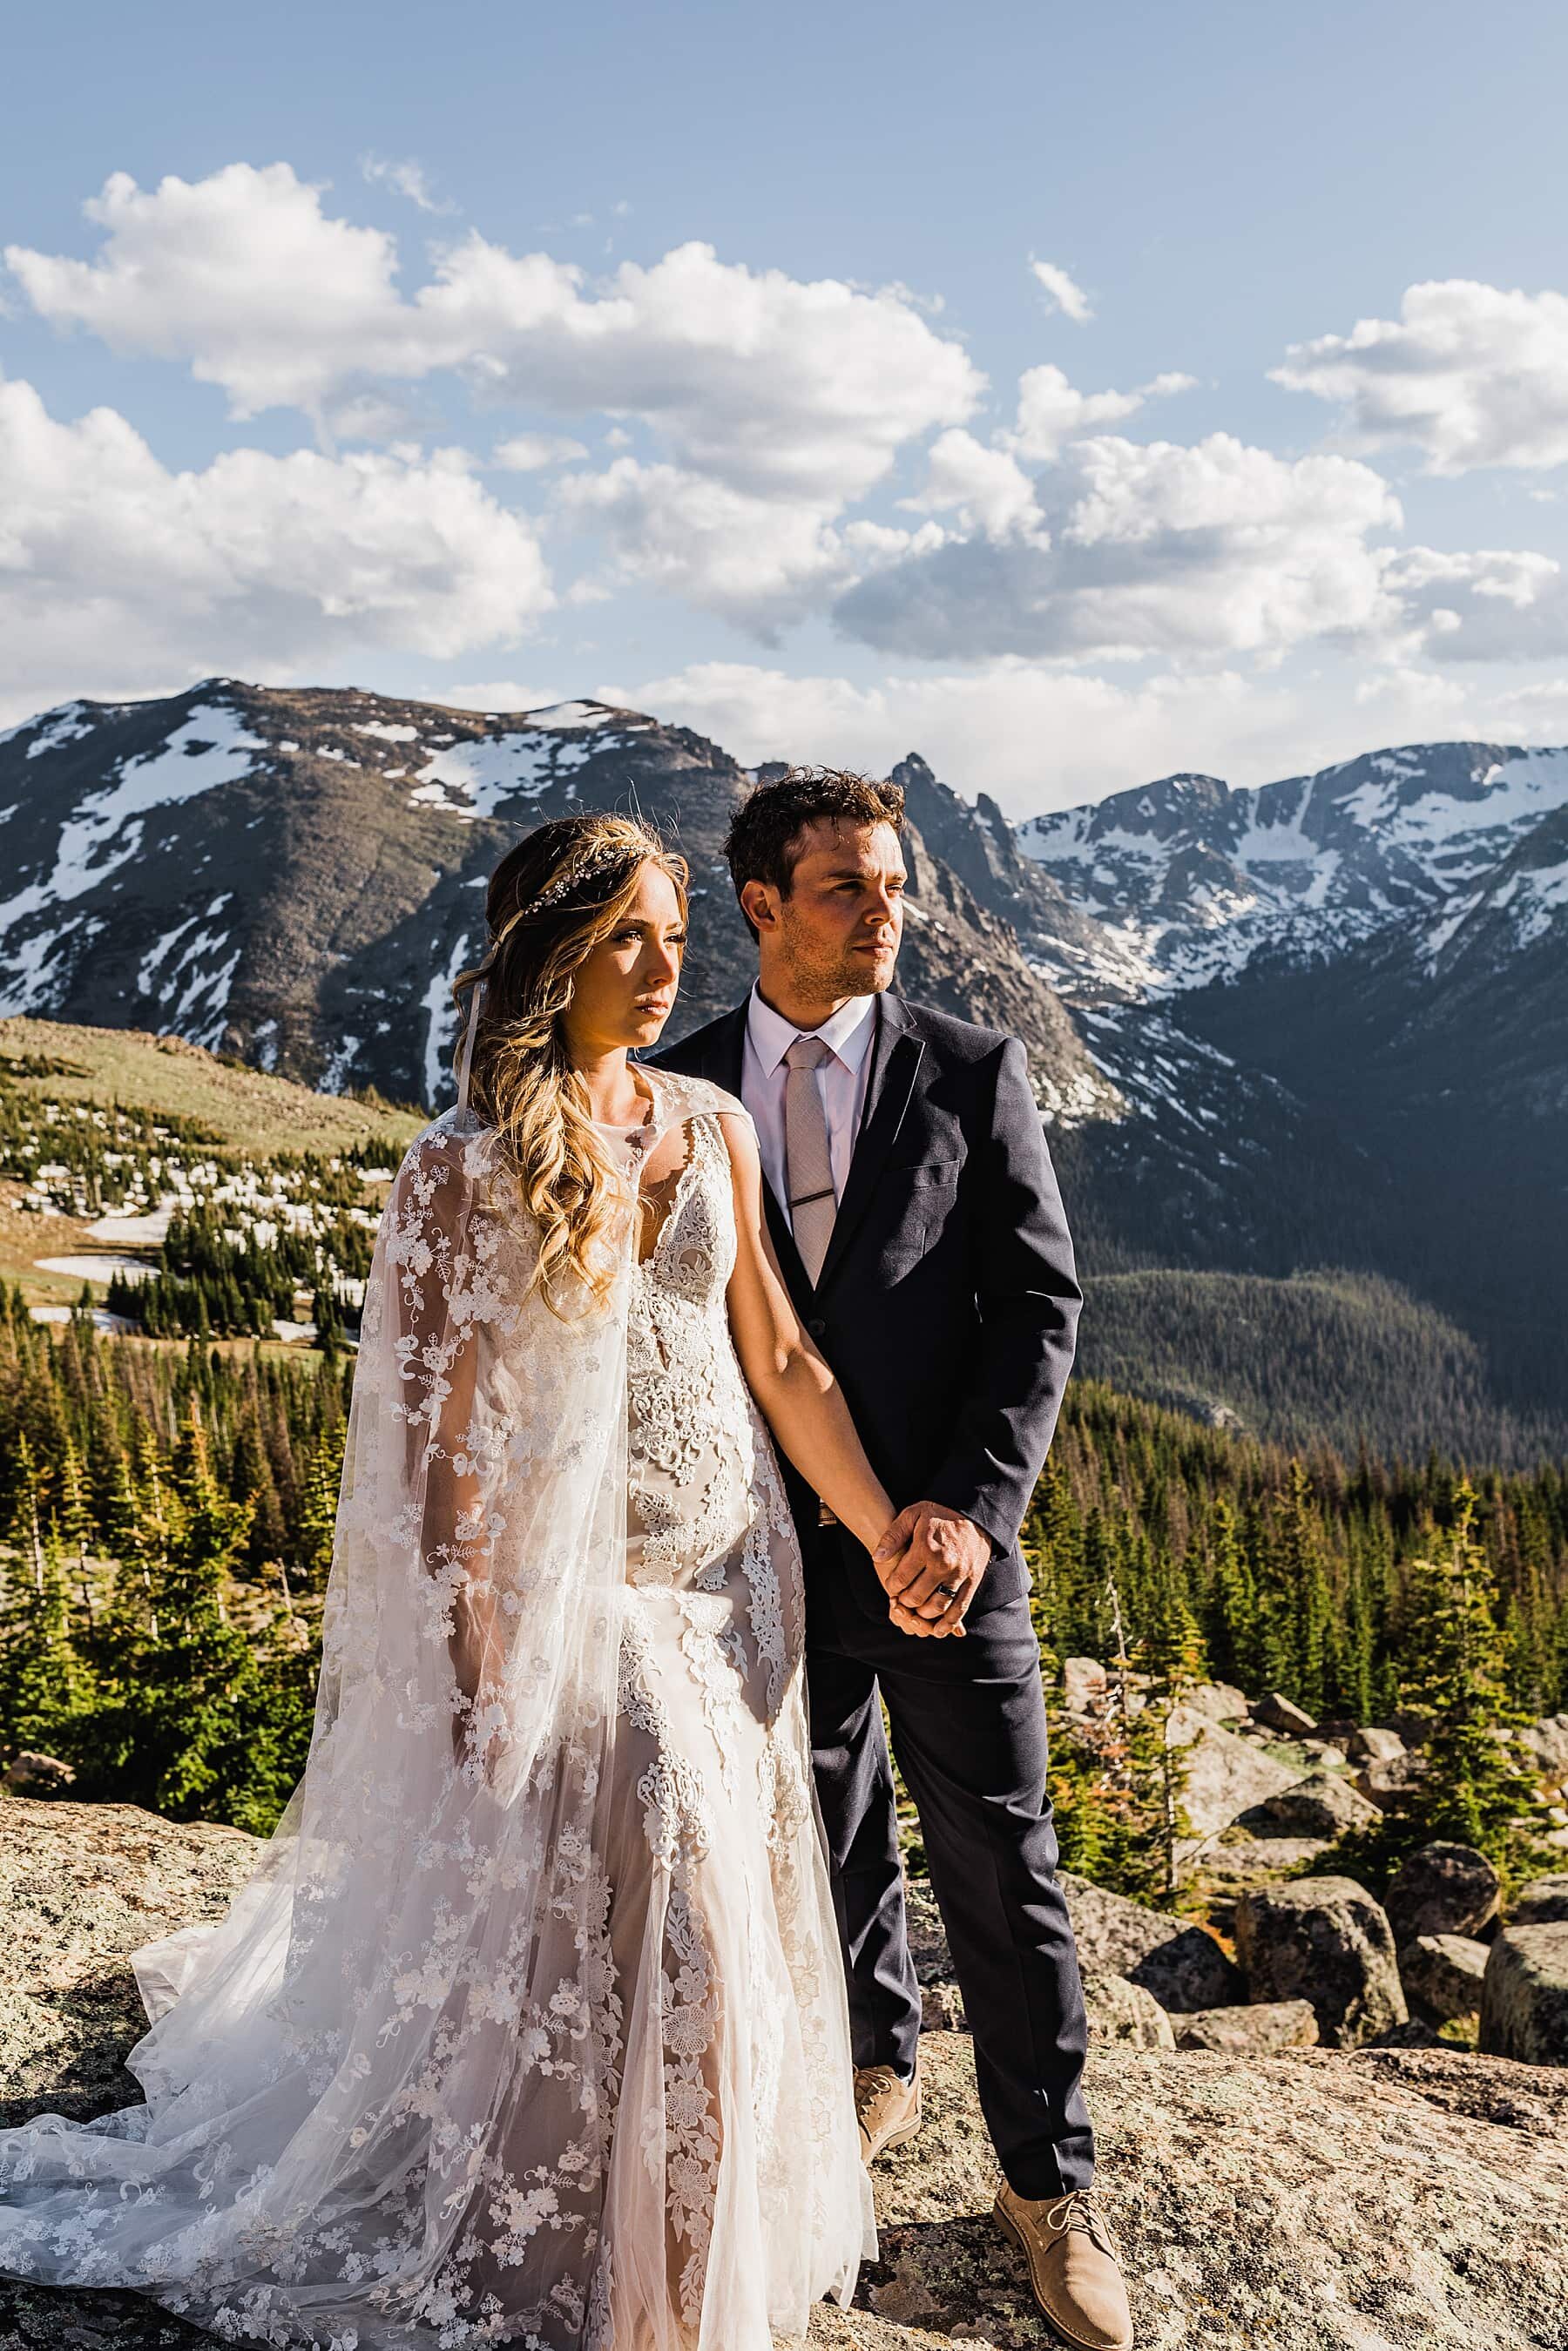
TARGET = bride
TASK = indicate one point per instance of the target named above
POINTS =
(529, 2027)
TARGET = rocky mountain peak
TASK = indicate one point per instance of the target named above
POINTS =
(1195, 881)
(296, 875)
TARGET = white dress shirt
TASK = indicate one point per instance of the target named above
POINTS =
(840, 1080)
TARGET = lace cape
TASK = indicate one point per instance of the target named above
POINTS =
(348, 2081)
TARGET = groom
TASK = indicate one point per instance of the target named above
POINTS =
(916, 1217)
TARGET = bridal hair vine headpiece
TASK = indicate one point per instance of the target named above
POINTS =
(608, 853)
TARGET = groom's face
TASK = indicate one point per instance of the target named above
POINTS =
(836, 933)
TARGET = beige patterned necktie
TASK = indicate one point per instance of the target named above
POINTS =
(807, 1158)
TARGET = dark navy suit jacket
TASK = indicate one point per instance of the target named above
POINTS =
(949, 1301)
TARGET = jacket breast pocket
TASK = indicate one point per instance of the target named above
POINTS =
(933, 1171)
(919, 1198)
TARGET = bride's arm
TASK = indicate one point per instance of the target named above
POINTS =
(798, 1397)
(437, 1350)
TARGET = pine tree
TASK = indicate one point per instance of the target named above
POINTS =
(1351, 1691)
(1475, 1790)
(319, 1507)
(42, 1681)
(1301, 1572)
(1116, 1781)
(1170, 1657)
(75, 1520)
(193, 1727)
(1232, 1604)
(252, 1481)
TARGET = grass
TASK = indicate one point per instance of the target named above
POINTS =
(241, 1108)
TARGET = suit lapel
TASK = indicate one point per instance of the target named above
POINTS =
(724, 1053)
(724, 1062)
(897, 1053)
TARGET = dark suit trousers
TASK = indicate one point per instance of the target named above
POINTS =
(969, 1729)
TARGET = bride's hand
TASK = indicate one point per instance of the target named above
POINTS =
(929, 1562)
(891, 1551)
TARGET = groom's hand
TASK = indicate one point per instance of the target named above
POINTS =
(930, 1562)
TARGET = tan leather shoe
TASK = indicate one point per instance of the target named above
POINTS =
(886, 2107)
(1072, 2266)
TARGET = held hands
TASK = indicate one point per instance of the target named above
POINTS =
(929, 1562)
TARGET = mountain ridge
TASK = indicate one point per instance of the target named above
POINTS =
(1196, 878)
(268, 870)
(1318, 1023)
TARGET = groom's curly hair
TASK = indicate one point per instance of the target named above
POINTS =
(763, 838)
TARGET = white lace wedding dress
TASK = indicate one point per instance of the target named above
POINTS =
(530, 2027)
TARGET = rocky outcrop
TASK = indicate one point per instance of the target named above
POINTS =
(1324, 1804)
(1226, 1775)
(29, 1774)
(1325, 1940)
(1275, 1711)
(1120, 2010)
(1394, 2201)
(1303, 2201)
(1253, 2032)
(1086, 1685)
(1546, 1744)
(1238, 1862)
(1524, 1996)
(1221, 1701)
(1371, 1744)
(1442, 1975)
(1542, 1903)
(1443, 1889)
(1386, 1784)
(80, 1886)
(1183, 1967)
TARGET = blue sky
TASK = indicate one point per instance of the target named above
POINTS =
(735, 390)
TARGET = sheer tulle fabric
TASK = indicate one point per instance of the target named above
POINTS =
(529, 2027)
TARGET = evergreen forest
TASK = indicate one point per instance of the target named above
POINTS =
(166, 1522)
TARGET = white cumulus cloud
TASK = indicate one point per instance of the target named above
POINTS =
(119, 576)
(761, 562)
(1469, 374)
(766, 381)
(1038, 736)
(1034, 737)
(1216, 550)
(1052, 411)
(409, 178)
(530, 452)
(1061, 291)
(988, 488)
(1485, 605)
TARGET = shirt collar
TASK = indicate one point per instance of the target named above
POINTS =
(847, 1032)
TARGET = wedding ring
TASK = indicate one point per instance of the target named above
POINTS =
(952, 1590)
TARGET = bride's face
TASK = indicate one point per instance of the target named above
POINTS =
(624, 990)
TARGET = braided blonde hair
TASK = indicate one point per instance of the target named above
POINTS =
(551, 901)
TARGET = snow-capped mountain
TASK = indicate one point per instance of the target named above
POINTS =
(1194, 881)
(298, 876)
(1324, 1023)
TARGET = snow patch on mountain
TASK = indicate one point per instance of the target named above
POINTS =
(1192, 881)
(67, 725)
(212, 748)
(442, 1027)
(577, 715)
(104, 834)
(471, 780)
